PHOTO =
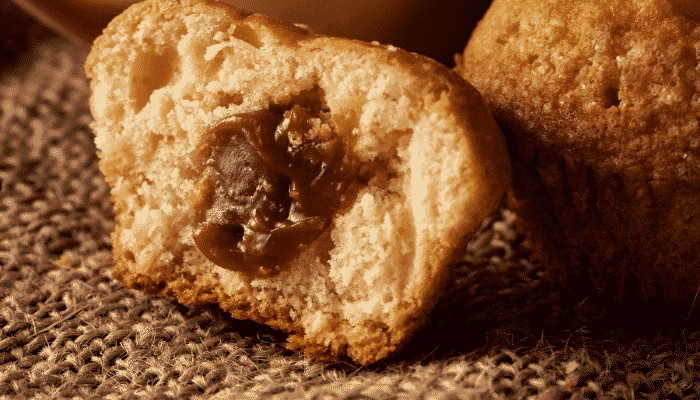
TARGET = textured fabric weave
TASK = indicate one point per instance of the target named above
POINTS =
(68, 330)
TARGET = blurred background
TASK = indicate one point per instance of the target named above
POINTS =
(438, 29)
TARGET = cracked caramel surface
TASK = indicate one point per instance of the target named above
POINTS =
(273, 183)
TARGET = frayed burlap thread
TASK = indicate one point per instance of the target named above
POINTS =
(69, 330)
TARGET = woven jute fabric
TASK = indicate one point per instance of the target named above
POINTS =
(69, 330)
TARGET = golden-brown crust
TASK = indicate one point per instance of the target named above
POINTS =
(165, 72)
(601, 97)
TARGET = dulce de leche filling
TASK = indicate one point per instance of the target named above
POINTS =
(274, 183)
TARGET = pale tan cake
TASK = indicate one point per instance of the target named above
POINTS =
(191, 98)
(602, 98)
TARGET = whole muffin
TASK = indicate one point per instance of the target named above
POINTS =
(602, 98)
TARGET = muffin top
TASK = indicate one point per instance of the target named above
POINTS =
(614, 84)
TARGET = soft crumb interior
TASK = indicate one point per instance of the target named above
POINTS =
(179, 82)
(362, 284)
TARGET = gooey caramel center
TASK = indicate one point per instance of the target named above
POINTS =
(275, 181)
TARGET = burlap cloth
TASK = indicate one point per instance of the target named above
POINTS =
(68, 330)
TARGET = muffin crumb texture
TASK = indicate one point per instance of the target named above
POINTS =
(430, 166)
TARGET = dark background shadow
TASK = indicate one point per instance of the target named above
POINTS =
(436, 29)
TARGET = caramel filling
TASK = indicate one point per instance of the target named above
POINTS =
(274, 184)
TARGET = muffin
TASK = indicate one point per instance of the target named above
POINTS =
(319, 185)
(601, 99)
